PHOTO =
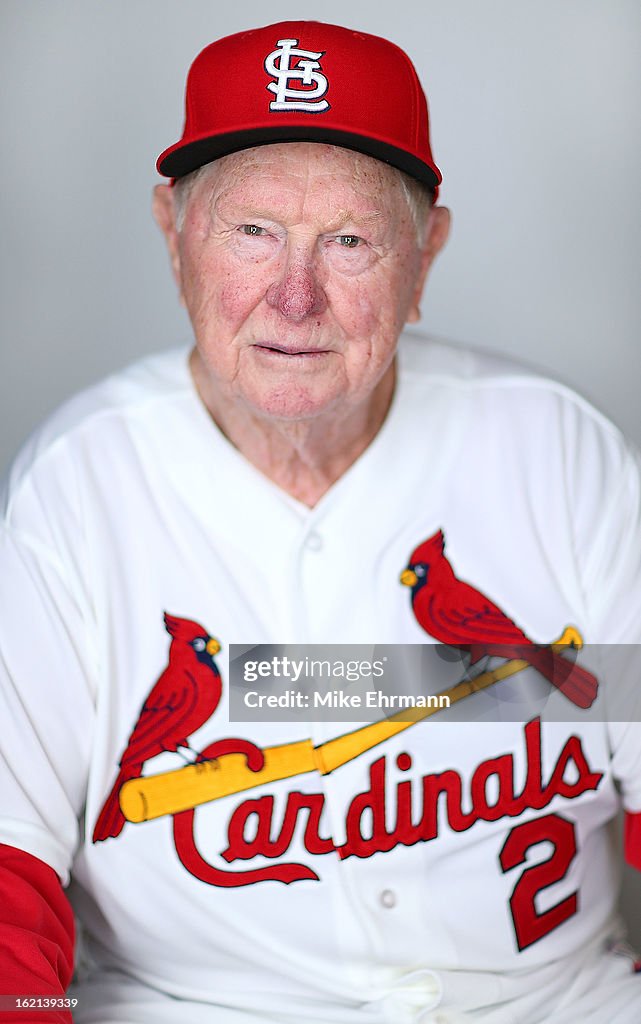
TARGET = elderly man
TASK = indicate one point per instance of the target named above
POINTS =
(280, 483)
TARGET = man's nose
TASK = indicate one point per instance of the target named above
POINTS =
(299, 293)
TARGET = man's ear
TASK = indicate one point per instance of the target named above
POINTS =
(165, 215)
(436, 235)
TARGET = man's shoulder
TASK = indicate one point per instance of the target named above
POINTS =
(153, 378)
(491, 377)
(97, 414)
(500, 408)
(432, 356)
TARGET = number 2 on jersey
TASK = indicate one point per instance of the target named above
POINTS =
(531, 925)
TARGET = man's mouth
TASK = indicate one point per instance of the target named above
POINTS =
(287, 350)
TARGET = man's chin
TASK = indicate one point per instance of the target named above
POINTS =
(292, 403)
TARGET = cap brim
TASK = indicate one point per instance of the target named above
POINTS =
(184, 158)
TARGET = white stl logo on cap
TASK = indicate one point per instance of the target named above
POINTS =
(306, 71)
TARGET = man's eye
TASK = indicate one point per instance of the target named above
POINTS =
(349, 241)
(252, 229)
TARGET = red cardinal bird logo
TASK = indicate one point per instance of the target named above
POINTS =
(455, 613)
(185, 695)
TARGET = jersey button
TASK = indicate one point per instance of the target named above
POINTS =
(313, 541)
(388, 898)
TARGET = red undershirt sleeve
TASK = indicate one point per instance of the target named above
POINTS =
(36, 935)
(632, 839)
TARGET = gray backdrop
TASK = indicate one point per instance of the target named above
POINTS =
(535, 112)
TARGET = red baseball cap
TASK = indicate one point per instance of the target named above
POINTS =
(304, 81)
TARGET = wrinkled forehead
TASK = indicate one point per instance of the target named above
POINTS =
(314, 169)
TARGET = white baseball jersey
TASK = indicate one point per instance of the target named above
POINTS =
(453, 872)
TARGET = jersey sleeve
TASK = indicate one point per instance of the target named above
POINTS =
(46, 704)
(609, 549)
(47, 698)
(617, 584)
